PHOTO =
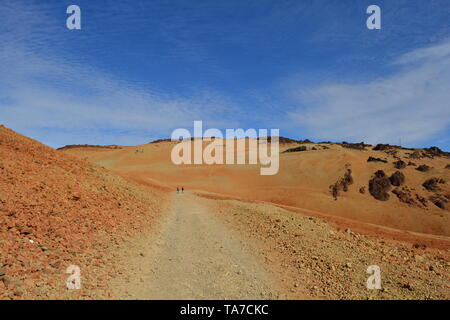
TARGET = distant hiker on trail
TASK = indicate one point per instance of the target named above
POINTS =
(182, 189)
(178, 190)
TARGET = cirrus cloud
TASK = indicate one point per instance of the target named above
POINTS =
(411, 104)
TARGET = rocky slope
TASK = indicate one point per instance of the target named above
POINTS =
(57, 211)
(319, 260)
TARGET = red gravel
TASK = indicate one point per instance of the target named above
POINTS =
(55, 211)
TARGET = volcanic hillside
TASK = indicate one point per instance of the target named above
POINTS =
(389, 186)
(57, 211)
(116, 219)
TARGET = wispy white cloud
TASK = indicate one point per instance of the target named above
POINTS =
(45, 94)
(60, 96)
(411, 104)
(52, 94)
(434, 53)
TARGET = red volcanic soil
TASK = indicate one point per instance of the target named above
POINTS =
(330, 207)
(55, 211)
(327, 179)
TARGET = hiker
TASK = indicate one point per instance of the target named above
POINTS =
(178, 190)
(182, 189)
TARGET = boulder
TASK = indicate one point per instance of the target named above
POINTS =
(373, 159)
(423, 168)
(397, 179)
(379, 186)
(432, 184)
(399, 164)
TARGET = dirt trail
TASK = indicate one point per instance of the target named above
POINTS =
(194, 256)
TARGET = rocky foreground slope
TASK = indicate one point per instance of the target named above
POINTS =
(57, 211)
(319, 260)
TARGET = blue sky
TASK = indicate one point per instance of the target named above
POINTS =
(139, 69)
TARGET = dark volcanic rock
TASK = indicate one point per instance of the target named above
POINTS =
(441, 204)
(439, 200)
(432, 184)
(160, 140)
(397, 179)
(436, 152)
(79, 146)
(342, 184)
(284, 140)
(384, 147)
(379, 186)
(380, 174)
(423, 168)
(404, 196)
(416, 155)
(372, 159)
(400, 164)
(422, 200)
(297, 149)
(356, 146)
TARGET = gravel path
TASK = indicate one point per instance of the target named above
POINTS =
(194, 256)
